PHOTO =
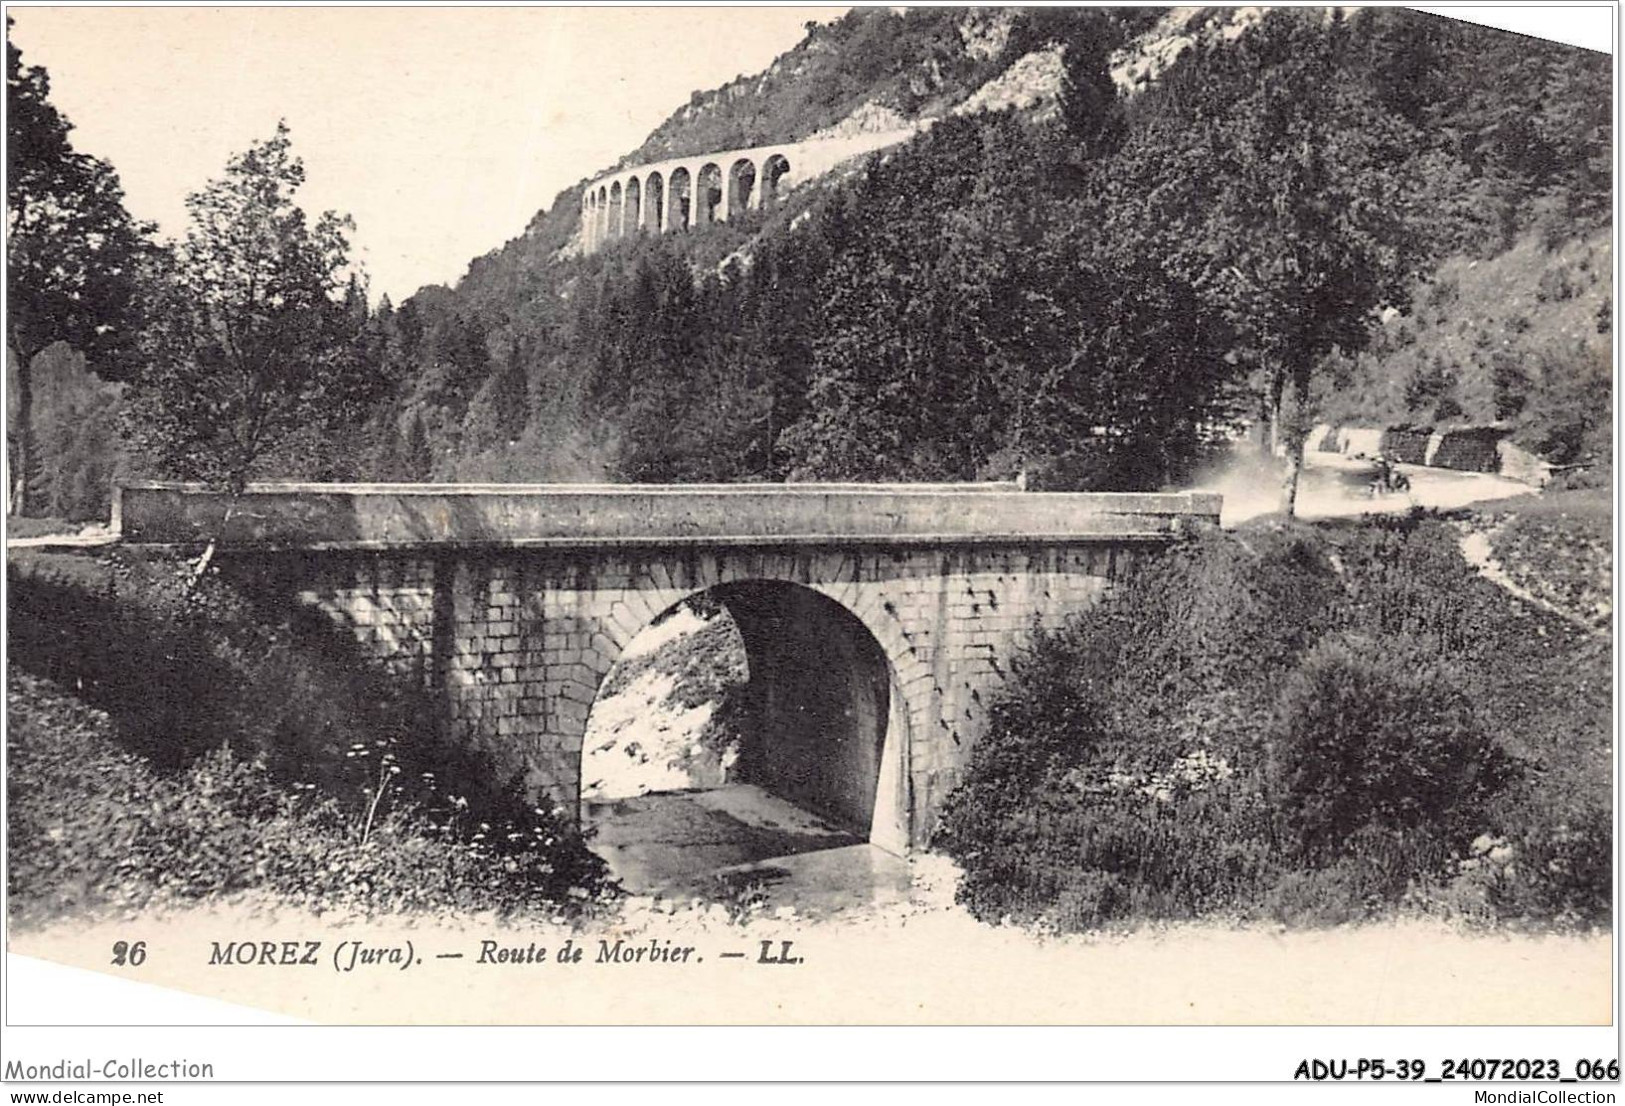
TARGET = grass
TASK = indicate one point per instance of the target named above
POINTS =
(19, 526)
(84, 571)
(1588, 506)
(1558, 546)
(172, 742)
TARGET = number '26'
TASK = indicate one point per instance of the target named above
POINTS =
(132, 954)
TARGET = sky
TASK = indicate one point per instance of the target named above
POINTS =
(441, 131)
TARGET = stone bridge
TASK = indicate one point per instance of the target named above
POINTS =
(877, 621)
(660, 197)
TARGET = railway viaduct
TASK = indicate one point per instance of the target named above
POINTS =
(690, 193)
(877, 620)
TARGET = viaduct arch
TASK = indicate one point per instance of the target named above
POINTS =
(691, 193)
(511, 604)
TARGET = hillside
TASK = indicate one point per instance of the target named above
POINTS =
(877, 70)
(1060, 277)
(873, 69)
(1523, 337)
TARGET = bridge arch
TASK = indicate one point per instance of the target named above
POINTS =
(774, 169)
(826, 720)
(632, 220)
(679, 199)
(741, 185)
(713, 206)
(511, 603)
(616, 210)
(654, 202)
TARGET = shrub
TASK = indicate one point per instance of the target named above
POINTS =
(1567, 560)
(19, 526)
(1377, 871)
(1546, 857)
(1375, 734)
(1120, 775)
(92, 827)
(992, 824)
(1309, 724)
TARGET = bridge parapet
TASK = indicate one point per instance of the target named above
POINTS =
(394, 516)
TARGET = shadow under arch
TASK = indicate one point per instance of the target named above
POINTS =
(821, 722)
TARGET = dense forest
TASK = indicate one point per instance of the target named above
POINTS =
(1317, 214)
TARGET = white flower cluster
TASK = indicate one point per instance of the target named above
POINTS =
(1494, 850)
(1191, 772)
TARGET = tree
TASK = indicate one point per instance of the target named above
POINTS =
(1284, 191)
(922, 318)
(1132, 380)
(416, 460)
(1090, 107)
(499, 410)
(72, 252)
(252, 357)
(975, 325)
